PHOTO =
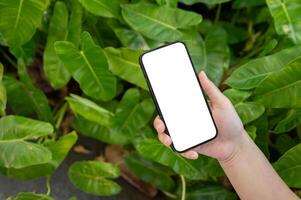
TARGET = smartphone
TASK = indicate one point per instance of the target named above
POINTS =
(178, 96)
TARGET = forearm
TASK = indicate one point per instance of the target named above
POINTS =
(252, 175)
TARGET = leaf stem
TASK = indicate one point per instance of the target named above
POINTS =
(60, 115)
(48, 185)
(183, 187)
(11, 61)
(168, 194)
(218, 13)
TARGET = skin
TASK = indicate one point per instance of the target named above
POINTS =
(248, 170)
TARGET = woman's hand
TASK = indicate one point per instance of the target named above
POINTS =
(229, 125)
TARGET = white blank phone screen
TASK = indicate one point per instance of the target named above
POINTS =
(179, 96)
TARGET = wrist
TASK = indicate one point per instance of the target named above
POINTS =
(238, 148)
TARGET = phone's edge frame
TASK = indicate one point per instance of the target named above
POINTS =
(155, 99)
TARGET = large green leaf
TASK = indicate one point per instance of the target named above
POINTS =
(238, 4)
(32, 196)
(15, 150)
(156, 151)
(195, 44)
(289, 167)
(54, 69)
(251, 130)
(150, 172)
(249, 111)
(250, 75)
(171, 3)
(102, 133)
(281, 89)
(25, 99)
(211, 54)
(287, 17)
(59, 150)
(123, 62)
(61, 29)
(103, 8)
(160, 23)
(291, 120)
(19, 19)
(25, 52)
(3, 97)
(75, 22)
(284, 142)
(130, 38)
(217, 54)
(209, 191)
(190, 2)
(93, 177)
(237, 96)
(90, 110)
(131, 114)
(88, 67)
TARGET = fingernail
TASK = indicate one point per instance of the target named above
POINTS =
(204, 74)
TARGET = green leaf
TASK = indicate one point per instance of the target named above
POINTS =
(25, 52)
(54, 69)
(195, 44)
(281, 89)
(171, 3)
(262, 135)
(150, 172)
(103, 8)
(96, 131)
(93, 177)
(291, 120)
(288, 167)
(251, 130)
(32, 196)
(123, 63)
(3, 97)
(235, 34)
(19, 20)
(59, 150)
(251, 74)
(284, 142)
(211, 54)
(190, 2)
(15, 150)
(88, 67)
(237, 96)
(156, 151)
(160, 23)
(217, 54)
(90, 110)
(209, 191)
(238, 4)
(25, 99)
(287, 18)
(249, 111)
(75, 22)
(269, 46)
(131, 114)
(131, 39)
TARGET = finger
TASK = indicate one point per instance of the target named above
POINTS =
(190, 154)
(214, 94)
(159, 125)
(164, 138)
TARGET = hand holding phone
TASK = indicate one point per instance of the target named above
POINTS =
(178, 96)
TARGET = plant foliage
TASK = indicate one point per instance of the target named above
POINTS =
(74, 64)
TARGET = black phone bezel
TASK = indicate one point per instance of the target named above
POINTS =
(155, 99)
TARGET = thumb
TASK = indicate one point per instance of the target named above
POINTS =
(214, 94)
